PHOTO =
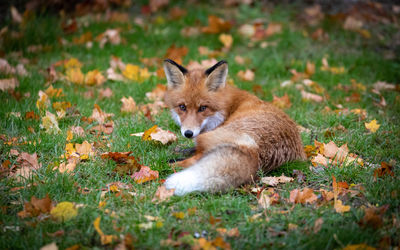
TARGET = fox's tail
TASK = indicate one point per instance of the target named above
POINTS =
(225, 166)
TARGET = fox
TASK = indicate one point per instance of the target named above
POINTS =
(236, 134)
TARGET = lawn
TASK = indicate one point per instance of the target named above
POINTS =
(75, 86)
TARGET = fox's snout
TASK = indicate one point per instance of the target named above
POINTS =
(188, 133)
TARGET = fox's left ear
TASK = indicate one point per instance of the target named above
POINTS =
(217, 75)
(175, 73)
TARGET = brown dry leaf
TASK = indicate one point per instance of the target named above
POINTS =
(105, 93)
(247, 75)
(273, 28)
(361, 246)
(128, 105)
(320, 160)
(126, 164)
(282, 102)
(50, 124)
(305, 196)
(310, 96)
(94, 77)
(100, 116)
(109, 36)
(372, 126)
(176, 13)
(28, 160)
(373, 216)
(36, 207)
(384, 169)
(338, 205)
(114, 76)
(8, 84)
(145, 174)
(162, 194)
(105, 239)
(216, 25)
(157, 94)
(176, 53)
(226, 40)
(77, 130)
(68, 166)
(274, 181)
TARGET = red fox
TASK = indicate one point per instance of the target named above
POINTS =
(236, 133)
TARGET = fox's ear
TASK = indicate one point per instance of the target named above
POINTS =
(216, 75)
(174, 73)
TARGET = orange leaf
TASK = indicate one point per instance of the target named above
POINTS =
(216, 25)
(163, 194)
(144, 175)
(147, 134)
(305, 196)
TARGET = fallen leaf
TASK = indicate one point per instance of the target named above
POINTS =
(109, 36)
(53, 92)
(128, 105)
(310, 96)
(36, 207)
(226, 40)
(43, 102)
(338, 204)
(216, 25)
(361, 246)
(281, 102)
(68, 166)
(105, 239)
(179, 215)
(384, 169)
(247, 75)
(274, 181)
(94, 77)
(75, 75)
(8, 84)
(50, 124)
(272, 29)
(176, 53)
(100, 116)
(157, 94)
(105, 93)
(373, 216)
(162, 194)
(247, 30)
(135, 73)
(334, 70)
(51, 246)
(28, 160)
(305, 196)
(145, 174)
(64, 211)
(157, 134)
(77, 130)
(85, 150)
(372, 126)
(264, 201)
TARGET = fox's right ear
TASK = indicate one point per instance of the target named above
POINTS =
(174, 73)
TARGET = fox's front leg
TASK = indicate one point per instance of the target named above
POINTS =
(188, 162)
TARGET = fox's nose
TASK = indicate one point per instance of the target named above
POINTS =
(188, 133)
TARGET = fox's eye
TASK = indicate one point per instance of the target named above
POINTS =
(182, 107)
(202, 108)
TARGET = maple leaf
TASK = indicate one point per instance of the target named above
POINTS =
(216, 25)
(274, 181)
(69, 166)
(64, 211)
(53, 92)
(100, 116)
(85, 150)
(28, 160)
(75, 75)
(282, 102)
(126, 164)
(162, 194)
(43, 102)
(128, 105)
(176, 53)
(157, 134)
(135, 73)
(94, 77)
(72, 63)
(145, 174)
(77, 130)
(226, 40)
(372, 126)
(105, 239)
(202, 65)
(246, 75)
(105, 93)
(305, 196)
(49, 123)
(338, 205)
(36, 207)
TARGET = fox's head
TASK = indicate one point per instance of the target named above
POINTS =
(196, 97)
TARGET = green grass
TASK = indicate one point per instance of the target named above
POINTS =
(361, 58)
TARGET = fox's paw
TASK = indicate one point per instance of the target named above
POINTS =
(184, 182)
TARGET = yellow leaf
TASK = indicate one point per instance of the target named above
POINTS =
(179, 215)
(70, 135)
(114, 188)
(131, 72)
(52, 92)
(372, 126)
(94, 77)
(340, 208)
(64, 211)
(43, 102)
(75, 75)
(102, 204)
(105, 239)
(49, 122)
(226, 40)
(147, 134)
(72, 63)
(361, 246)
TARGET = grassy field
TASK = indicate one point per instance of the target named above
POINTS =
(358, 58)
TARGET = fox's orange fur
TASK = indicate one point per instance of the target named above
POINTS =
(236, 133)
